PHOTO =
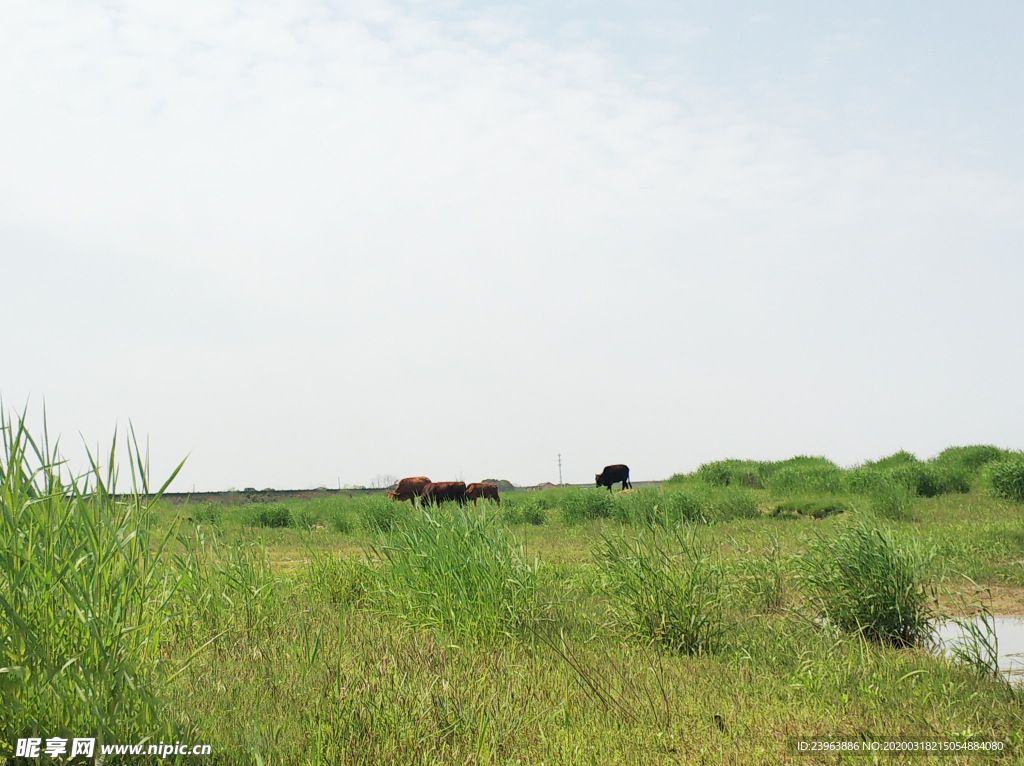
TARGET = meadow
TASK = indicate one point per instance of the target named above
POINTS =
(713, 619)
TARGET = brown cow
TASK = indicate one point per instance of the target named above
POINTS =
(488, 491)
(438, 492)
(409, 488)
(612, 474)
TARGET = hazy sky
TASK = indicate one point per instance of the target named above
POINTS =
(307, 243)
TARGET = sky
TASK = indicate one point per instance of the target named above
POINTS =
(302, 244)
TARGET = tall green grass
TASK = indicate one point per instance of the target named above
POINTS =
(763, 576)
(223, 585)
(578, 505)
(458, 570)
(1005, 477)
(523, 509)
(667, 588)
(85, 590)
(378, 513)
(863, 579)
(956, 469)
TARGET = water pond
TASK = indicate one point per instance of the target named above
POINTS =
(1009, 633)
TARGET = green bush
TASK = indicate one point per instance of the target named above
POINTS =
(378, 513)
(336, 512)
(641, 506)
(523, 509)
(271, 515)
(686, 504)
(1005, 478)
(579, 505)
(953, 470)
(664, 507)
(865, 480)
(936, 477)
(725, 473)
(805, 474)
(864, 579)
(948, 478)
(511, 513)
(205, 513)
(734, 503)
(222, 586)
(668, 592)
(306, 516)
(535, 515)
(919, 479)
(971, 459)
(342, 520)
(896, 460)
(891, 499)
(458, 571)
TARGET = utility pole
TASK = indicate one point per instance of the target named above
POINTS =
(559, 469)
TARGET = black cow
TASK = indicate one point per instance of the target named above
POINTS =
(612, 474)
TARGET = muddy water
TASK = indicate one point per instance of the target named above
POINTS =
(1010, 635)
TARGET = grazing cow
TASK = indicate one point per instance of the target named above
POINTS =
(438, 492)
(612, 474)
(409, 488)
(488, 491)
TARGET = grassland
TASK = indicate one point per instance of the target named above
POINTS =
(710, 620)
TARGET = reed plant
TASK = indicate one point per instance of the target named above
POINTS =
(579, 505)
(521, 509)
(340, 580)
(1004, 478)
(864, 579)
(274, 515)
(725, 473)
(970, 459)
(735, 503)
(666, 587)
(977, 645)
(805, 474)
(457, 570)
(379, 513)
(763, 576)
(85, 591)
(225, 586)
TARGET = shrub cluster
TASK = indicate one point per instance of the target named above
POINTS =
(579, 505)
(457, 570)
(954, 470)
(523, 509)
(667, 588)
(674, 504)
(271, 515)
(864, 579)
(1005, 477)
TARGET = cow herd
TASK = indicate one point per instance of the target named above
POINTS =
(439, 491)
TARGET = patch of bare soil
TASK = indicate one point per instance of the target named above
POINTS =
(1006, 601)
